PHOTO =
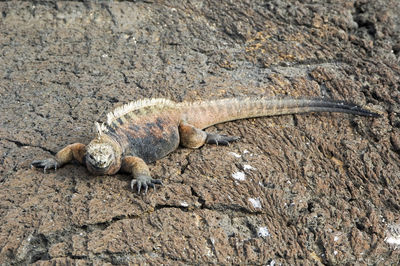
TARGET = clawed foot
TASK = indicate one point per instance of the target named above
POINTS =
(220, 139)
(45, 164)
(145, 182)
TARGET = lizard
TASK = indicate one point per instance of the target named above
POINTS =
(143, 131)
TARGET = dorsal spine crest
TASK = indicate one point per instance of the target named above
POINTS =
(100, 129)
(129, 107)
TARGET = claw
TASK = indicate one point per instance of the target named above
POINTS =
(156, 181)
(153, 186)
(144, 182)
(45, 164)
(133, 183)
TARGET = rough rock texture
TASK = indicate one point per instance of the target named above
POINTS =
(303, 189)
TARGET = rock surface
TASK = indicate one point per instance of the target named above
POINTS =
(303, 189)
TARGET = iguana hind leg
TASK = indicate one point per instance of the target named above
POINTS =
(141, 173)
(192, 137)
(73, 151)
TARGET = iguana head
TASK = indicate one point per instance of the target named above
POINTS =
(100, 155)
(103, 155)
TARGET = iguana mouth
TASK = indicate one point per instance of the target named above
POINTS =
(98, 170)
(102, 166)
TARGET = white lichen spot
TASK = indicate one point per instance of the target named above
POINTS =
(212, 241)
(336, 238)
(239, 176)
(245, 151)
(263, 232)
(255, 202)
(235, 154)
(184, 204)
(209, 250)
(272, 263)
(248, 167)
(393, 240)
(393, 235)
(335, 252)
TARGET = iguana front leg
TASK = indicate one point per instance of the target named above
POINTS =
(73, 151)
(192, 137)
(140, 171)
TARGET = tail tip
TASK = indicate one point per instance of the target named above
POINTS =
(371, 114)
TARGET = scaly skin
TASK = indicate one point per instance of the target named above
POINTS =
(144, 131)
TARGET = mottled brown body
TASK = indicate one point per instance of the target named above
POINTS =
(147, 136)
(144, 131)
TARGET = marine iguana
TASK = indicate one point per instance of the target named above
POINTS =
(144, 131)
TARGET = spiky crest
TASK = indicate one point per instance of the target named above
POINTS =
(100, 129)
(126, 108)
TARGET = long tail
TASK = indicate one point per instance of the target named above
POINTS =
(205, 114)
